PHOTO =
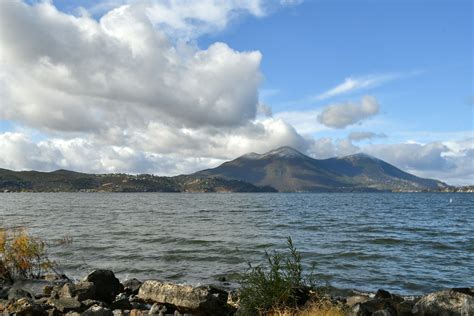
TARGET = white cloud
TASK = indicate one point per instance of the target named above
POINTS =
(67, 73)
(189, 19)
(351, 84)
(450, 161)
(345, 114)
(159, 148)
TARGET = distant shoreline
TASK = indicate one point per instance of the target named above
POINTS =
(463, 189)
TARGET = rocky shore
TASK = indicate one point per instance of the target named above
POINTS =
(101, 293)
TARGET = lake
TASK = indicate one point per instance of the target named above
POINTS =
(404, 242)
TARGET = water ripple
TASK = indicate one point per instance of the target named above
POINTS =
(408, 243)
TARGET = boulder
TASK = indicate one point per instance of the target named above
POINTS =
(203, 300)
(131, 286)
(80, 291)
(107, 286)
(4, 292)
(97, 310)
(65, 304)
(369, 307)
(382, 294)
(446, 303)
(352, 300)
(405, 307)
(25, 307)
(121, 302)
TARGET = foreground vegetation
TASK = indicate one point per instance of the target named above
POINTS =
(22, 256)
(281, 287)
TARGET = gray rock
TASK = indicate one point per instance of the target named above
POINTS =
(4, 292)
(383, 294)
(107, 286)
(369, 307)
(121, 303)
(97, 310)
(65, 304)
(446, 303)
(131, 286)
(204, 300)
(405, 307)
(80, 291)
(352, 300)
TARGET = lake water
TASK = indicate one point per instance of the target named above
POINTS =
(408, 242)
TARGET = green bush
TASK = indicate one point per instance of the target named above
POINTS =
(278, 284)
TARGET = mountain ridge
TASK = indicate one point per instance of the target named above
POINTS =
(289, 170)
(284, 169)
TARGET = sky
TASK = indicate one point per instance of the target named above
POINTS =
(171, 87)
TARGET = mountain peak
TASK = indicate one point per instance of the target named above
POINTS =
(251, 155)
(283, 152)
(288, 170)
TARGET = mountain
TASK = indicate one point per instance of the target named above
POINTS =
(289, 170)
(69, 181)
(284, 169)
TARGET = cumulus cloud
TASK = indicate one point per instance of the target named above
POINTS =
(345, 114)
(67, 73)
(158, 149)
(118, 94)
(450, 161)
(190, 19)
(359, 136)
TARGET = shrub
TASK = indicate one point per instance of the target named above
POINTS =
(279, 284)
(21, 255)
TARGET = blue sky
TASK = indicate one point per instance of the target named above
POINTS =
(142, 86)
(314, 46)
